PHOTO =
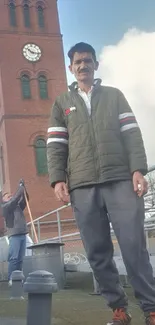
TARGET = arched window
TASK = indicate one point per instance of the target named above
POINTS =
(43, 91)
(26, 14)
(41, 21)
(41, 157)
(25, 86)
(12, 14)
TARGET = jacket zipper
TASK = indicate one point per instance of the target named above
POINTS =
(92, 132)
(94, 137)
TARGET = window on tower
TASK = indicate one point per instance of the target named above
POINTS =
(25, 85)
(41, 156)
(26, 14)
(41, 21)
(12, 14)
(43, 89)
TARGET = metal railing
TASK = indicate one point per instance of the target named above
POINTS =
(57, 221)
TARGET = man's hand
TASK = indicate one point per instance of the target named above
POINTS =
(140, 184)
(61, 192)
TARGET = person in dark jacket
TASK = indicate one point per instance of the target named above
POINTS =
(96, 154)
(12, 210)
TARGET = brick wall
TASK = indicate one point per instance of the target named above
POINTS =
(22, 120)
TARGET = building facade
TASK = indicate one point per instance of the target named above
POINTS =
(32, 74)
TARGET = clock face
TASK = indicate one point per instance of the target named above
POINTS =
(32, 52)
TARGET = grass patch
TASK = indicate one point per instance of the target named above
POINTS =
(71, 307)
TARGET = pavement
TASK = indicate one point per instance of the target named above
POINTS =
(12, 321)
(21, 321)
(73, 306)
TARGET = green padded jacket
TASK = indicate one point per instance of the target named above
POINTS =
(85, 149)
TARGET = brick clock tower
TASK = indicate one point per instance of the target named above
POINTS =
(32, 74)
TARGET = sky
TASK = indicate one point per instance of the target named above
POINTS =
(123, 35)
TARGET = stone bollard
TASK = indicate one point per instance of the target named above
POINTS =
(17, 285)
(40, 285)
(97, 291)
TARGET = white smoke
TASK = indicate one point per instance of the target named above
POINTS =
(130, 66)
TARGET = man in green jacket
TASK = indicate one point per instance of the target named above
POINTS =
(96, 154)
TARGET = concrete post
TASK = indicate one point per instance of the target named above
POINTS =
(40, 285)
(96, 287)
(17, 285)
(97, 291)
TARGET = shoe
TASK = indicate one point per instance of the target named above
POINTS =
(150, 318)
(10, 283)
(121, 317)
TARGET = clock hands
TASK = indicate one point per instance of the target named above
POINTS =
(32, 52)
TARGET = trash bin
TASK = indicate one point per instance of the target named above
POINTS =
(46, 256)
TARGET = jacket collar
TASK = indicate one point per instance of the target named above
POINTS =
(74, 85)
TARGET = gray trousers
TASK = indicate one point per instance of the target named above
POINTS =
(92, 205)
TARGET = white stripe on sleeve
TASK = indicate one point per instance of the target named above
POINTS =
(57, 129)
(124, 115)
(129, 126)
(61, 140)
